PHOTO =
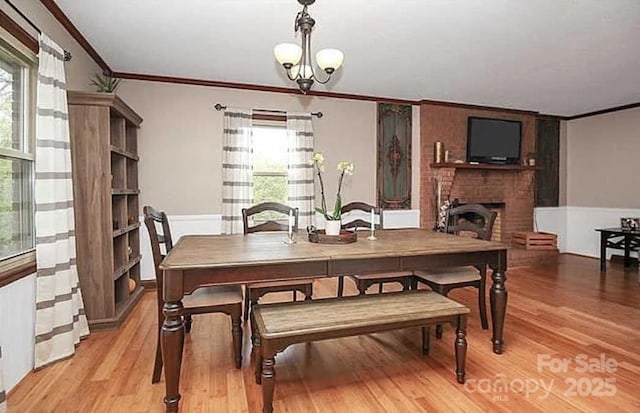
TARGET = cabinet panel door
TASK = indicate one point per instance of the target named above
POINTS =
(394, 156)
(548, 159)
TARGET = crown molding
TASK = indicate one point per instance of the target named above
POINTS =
(62, 18)
(257, 87)
(478, 107)
(603, 111)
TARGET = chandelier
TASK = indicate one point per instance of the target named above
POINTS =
(297, 61)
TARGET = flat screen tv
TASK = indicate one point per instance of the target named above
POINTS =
(495, 141)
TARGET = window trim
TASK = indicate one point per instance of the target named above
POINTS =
(267, 173)
(12, 153)
(23, 264)
(17, 267)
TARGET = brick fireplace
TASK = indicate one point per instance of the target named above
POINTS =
(508, 190)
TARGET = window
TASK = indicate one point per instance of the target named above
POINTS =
(17, 88)
(269, 164)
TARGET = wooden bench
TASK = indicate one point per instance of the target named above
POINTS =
(277, 326)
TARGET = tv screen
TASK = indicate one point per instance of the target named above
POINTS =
(493, 141)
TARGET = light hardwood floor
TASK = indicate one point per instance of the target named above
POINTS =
(562, 310)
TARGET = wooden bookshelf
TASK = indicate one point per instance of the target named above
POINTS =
(104, 150)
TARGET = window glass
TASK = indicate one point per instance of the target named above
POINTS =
(12, 104)
(16, 206)
(269, 167)
(16, 158)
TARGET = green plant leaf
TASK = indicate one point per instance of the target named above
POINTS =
(337, 207)
(106, 84)
(323, 212)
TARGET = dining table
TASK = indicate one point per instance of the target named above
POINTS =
(204, 260)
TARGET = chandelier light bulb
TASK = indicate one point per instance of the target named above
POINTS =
(287, 54)
(329, 60)
(305, 73)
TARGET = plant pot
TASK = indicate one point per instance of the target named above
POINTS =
(332, 227)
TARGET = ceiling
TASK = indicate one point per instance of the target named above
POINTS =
(562, 57)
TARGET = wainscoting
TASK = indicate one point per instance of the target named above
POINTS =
(17, 326)
(211, 224)
(576, 226)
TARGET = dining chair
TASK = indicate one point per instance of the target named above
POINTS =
(216, 299)
(470, 220)
(272, 213)
(364, 281)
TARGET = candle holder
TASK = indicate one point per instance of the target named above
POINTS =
(290, 239)
(372, 236)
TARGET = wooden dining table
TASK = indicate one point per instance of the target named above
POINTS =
(201, 260)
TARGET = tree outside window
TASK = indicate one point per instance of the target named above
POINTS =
(269, 166)
(16, 156)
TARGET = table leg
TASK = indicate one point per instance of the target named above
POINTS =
(498, 298)
(460, 346)
(627, 251)
(603, 252)
(268, 382)
(172, 345)
(256, 352)
(426, 339)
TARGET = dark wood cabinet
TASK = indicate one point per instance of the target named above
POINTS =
(394, 156)
(548, 162)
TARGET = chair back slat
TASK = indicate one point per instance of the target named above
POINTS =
(359, 222)
(151, 217)
(269, 225)
(474, 218)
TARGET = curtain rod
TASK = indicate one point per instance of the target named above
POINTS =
(220, 107)
(67, 55)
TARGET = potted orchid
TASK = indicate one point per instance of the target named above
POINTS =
(332, 218)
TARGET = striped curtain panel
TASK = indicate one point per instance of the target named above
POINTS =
(237, 169)
(60, 318)
(300, 192)
(3, 393)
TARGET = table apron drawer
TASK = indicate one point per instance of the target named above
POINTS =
(194, 278)
(496, 259)
(365, 266)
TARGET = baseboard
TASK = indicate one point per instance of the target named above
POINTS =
(580, 255)
(17, 385)
(148, 285)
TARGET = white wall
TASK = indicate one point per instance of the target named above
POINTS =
(576, 225)
(554, 220)
(17, 329)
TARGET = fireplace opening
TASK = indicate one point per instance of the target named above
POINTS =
(497, 207)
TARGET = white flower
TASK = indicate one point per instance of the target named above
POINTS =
(318, 159)
(346, 167)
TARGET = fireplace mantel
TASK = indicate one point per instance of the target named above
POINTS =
(484, 166)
